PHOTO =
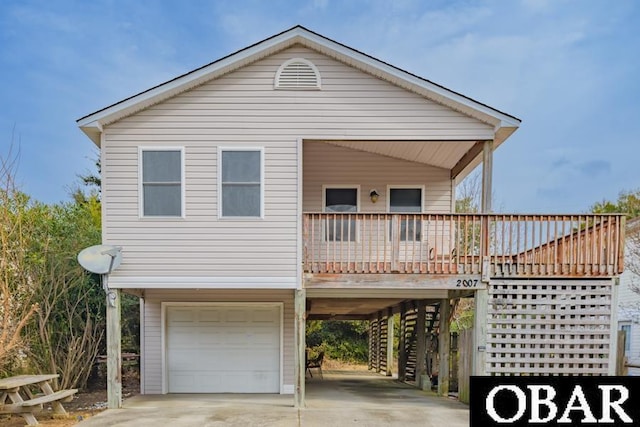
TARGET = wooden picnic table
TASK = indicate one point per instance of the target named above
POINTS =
(16, 396)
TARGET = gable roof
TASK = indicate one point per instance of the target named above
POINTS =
(503, 123)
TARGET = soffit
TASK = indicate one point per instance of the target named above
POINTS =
(441, 154)
(351, 306)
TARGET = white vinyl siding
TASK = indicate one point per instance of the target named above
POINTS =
(152, 329)
(629, 314)
(242, 109)
(327, 165)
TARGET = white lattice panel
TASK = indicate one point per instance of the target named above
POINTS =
(549, 327)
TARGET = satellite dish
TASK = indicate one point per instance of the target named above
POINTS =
(100, 259)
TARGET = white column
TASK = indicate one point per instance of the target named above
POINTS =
(613, 327)
(480, 333)
(487, 176)
(482, 296)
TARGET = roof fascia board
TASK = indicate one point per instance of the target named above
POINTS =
(93, 131)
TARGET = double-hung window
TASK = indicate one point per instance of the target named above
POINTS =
(407, 200)
(340, 201)
(626, 328)
(161, 182)
(241, 178)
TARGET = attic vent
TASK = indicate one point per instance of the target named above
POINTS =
(297, 74)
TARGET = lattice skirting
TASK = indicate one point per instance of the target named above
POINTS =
(550, 327)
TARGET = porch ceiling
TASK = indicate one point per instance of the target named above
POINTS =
(336, 307)
(441, 154)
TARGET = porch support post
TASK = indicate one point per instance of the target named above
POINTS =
(444, 346)
(390, 340)
(421, 343)
(114, 354)
(370, 363)
(480, 332)
(402, 355)
(481, 298)
(613, 328)
(299, 356)
(487, 176)
(378, 342)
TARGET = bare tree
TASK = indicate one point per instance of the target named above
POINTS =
(630, 307)
(68, 329)
(16, 284)
(632, 247)
(469, 194)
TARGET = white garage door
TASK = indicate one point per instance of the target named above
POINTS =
(223, 349)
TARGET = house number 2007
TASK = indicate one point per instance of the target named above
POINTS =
(466, 283)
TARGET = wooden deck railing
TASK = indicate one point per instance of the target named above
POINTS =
(508, 245)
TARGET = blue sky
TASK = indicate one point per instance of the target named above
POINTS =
(569, 69)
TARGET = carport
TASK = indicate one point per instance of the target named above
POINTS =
(420, 311)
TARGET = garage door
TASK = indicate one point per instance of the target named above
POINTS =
(223, 349)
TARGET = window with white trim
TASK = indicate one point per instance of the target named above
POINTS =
(162, 186)
(407, 200)
(340, 200)
(241, 183)
(626, 328)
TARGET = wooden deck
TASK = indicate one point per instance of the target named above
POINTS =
(491, 245)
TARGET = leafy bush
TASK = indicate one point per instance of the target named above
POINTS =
(340, 340)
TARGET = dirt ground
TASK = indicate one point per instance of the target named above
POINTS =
(85, 404)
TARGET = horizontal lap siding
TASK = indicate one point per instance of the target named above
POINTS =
(326, 164)
(242, 109)
(152, 348)
(201, 244)
(152, 328)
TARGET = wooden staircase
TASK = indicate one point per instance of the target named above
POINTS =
(408, 331)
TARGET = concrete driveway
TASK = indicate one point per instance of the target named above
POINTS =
(340, 399)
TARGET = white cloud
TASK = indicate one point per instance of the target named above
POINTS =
(568, 71)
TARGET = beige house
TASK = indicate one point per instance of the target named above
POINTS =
(298, 179)
(629, 299)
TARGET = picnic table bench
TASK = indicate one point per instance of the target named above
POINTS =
(16, 396)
